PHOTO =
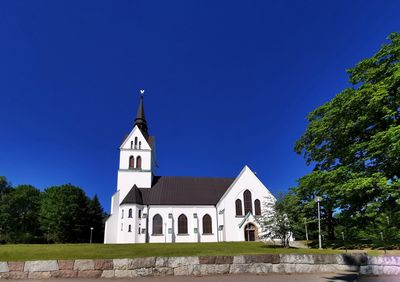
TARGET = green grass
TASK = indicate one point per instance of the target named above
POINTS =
(96, 251)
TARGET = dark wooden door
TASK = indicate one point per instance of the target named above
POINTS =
(250, 232)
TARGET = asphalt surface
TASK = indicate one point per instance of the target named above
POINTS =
(324, 277)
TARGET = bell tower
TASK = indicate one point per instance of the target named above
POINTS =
(137, 156)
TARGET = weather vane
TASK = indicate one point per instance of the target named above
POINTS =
(141, 92)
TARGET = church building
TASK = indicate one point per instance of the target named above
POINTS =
(148, 208)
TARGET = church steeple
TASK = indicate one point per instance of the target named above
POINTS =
(140, 119)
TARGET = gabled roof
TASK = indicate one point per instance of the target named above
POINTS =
(133, 196)
(246, 217)
(173, 190)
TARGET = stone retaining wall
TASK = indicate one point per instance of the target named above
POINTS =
(204, 265)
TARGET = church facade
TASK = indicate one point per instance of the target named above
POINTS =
(147, 208)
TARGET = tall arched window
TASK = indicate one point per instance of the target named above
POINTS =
(207, 226)
(131, 162)
(129, 228)
(135, 142)
(247, 202)
(131, 144)
(182, 224)
(140, 145)
(257, 207)
(157, 224)
(130, 213)
(238, 205)
(138, 162)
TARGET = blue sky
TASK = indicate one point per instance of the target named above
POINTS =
(228, 83)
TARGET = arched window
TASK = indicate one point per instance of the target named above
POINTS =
(129, 228)
(207, 226)
(247, 202)
(131, 144)
(130, 213)
(157, 224)
(135, 142)
(182, 224)
(257, 207)
(122, 214)
(238, 205)
(140, 144)
(138, 162)
(131, 162)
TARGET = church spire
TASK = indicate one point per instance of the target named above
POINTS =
(140, 119)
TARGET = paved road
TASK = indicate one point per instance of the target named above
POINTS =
(325, 277)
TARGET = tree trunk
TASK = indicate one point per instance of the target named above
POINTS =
(330, 223)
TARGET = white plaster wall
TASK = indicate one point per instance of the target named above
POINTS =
(124, 236)
(110, 234)
(246, 180)
(131, 137)
(126, 154)
(176, 211)
(128, 178)
(127, 150)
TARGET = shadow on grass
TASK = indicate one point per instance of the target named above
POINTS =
(278, 247)
(358, 245)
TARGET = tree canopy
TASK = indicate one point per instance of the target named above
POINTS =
(353, 143)
(59, 214)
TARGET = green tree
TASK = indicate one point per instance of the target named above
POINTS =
(353, 141)
(5, 186)
(279, 224)
(64, 214)
(96, 219)
(5, 189)
(22, 205)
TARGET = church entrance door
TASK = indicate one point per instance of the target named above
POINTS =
(250, 232)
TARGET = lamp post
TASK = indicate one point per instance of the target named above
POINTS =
(91, 234)
(305, 225)
(318, 200)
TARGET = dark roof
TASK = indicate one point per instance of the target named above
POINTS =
(141, 123)
(140, 119)
(134, 196)
(173, 190)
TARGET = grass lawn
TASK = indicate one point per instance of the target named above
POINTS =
(95, 251)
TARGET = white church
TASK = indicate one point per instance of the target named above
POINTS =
(147, 208)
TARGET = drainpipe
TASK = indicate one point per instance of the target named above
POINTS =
(216, 213)
(147, 224)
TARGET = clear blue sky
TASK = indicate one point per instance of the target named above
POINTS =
(228, 83)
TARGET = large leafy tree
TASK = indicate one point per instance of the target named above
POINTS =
(353, 141)
(64, 214)
(22, 205)
(59, 214)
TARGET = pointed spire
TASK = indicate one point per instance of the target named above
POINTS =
(140, 119)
